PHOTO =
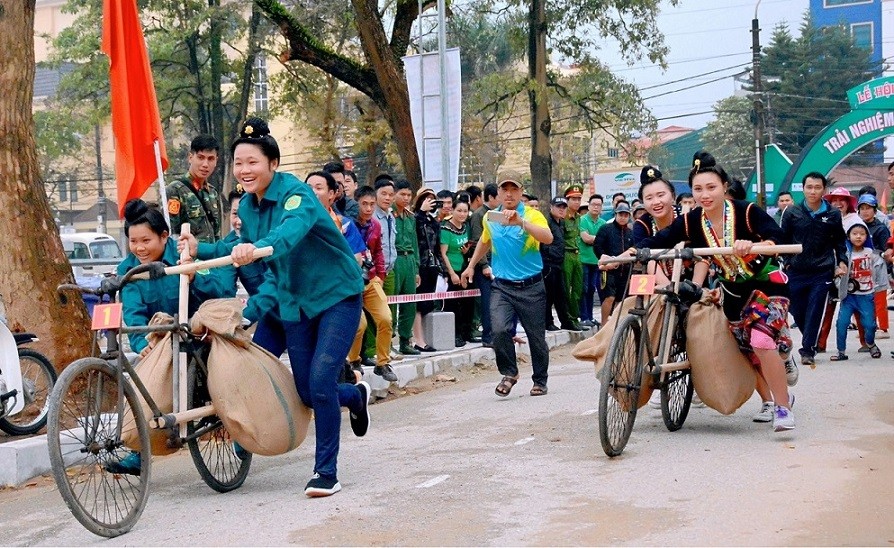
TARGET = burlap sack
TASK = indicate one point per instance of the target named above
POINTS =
(157, 374)
(596, 347)
(253, 392)
(723, 377)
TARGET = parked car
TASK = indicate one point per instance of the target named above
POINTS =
(92, 245)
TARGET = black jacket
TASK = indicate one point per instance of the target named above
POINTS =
(428, 232)
(879, 233)
(613, 239)
(821, 236)
(554, 254)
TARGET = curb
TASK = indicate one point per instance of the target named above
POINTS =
(24, 459)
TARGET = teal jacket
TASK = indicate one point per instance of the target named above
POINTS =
(312, 266)
(251, 275)
(143, 298)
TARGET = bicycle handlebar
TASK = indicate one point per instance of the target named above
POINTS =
(646, 254)
(189, 268)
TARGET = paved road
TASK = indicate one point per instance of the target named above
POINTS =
(455, 465)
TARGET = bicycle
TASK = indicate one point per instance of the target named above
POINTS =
(97, 399)
(630, 351)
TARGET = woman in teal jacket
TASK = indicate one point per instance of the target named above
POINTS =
(313, 283)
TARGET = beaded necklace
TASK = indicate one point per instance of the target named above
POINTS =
(731, 265)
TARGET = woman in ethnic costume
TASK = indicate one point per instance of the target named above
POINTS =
(754, 289)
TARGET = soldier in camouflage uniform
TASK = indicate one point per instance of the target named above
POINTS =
(191, 198)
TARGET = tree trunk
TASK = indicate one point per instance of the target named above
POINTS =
(394, 99)
(541, 158)
(33, 260)
(217, 108)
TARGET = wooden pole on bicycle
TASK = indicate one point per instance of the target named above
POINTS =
(180, 363)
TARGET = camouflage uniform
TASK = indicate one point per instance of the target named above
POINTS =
(184, 206)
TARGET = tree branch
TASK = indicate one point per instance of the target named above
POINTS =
(305, 47)
(407, 12)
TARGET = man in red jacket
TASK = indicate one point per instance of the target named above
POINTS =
(374, 300)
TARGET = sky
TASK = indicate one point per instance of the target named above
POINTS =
(703, 36)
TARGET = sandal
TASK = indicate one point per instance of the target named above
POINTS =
(538, 390)
(839, 357)
(875, 352)
(505, 386)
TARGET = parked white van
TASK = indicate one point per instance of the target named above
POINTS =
(92, 245)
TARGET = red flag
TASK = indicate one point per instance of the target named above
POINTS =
(136, 122)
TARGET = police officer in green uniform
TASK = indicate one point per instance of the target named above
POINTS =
(574, 271)
(191, 199)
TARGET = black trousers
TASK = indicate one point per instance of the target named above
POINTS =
(527, 304)
(554, 283)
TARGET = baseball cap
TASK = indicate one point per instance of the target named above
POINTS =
(622, 208)
(509, 182)
(868, 199)
(559, 201)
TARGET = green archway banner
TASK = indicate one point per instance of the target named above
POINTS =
(871, 118)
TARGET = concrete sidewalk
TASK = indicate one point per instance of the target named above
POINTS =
(23, 459)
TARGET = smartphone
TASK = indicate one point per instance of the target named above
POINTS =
(438, 204)
(496, 217)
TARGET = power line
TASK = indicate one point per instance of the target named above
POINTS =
(690, 77)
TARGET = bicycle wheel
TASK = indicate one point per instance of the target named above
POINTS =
(214, 452)
(622, 376)
(38, 378)
(83, 438)
(676, 387)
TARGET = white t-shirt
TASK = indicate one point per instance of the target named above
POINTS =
(861, 271)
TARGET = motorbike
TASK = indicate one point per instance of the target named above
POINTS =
(26, 380)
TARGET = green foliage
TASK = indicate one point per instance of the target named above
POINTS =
(806, 78)
(730, 136)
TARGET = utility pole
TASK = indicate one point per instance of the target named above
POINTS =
(758, 111)
(100, 192)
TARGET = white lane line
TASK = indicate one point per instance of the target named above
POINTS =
(524, 441)
(432, 482)
(589, 412)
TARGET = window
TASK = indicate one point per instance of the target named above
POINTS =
(63, 191)
(862, 33)
(613, 153)
(837, 3)
(260, 78)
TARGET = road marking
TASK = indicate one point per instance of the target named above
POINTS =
(524, 441)
(589, 412)
(432, 482)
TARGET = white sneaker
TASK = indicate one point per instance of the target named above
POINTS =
(882, 334)
(791, 372)
(783, 419)
(765, 414)
(655, 400)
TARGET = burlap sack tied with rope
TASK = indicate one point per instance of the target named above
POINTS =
(595, 348)
(156, 370)
(722, 376)
(253, 392)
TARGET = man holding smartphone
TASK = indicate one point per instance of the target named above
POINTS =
(515, 233)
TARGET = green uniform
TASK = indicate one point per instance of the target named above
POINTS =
(591, 227)
(403, 275)
(142, 299)
(574, 272)
(312, 267)
(200, 208)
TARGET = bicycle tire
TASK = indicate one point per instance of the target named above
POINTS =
(213, 453)
(676, 387)
(621, 383)
(42, 376)
(88, 389)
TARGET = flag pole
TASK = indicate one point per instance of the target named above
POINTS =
(162, 191)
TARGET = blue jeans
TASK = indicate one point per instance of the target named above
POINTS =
(317, 350)
(483, 283)
(587, 301)
(864, 307)
(808, 303)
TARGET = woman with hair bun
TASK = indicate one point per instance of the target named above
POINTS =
(754, 288)
(148, 241)
(310, 297)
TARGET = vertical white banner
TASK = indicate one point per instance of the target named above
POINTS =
(424, 85)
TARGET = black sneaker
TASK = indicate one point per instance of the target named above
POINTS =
(360, 420)
(367, 362)
(552, 327)
(131, 464)
(318, 486)
(459, 342)
(385, 372)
